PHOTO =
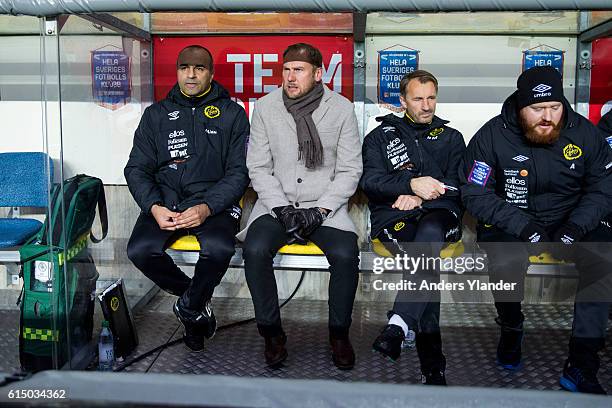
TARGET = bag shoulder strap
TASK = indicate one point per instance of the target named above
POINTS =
(103, 216)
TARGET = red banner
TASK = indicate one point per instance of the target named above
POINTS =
(251, 66)
(601, 78)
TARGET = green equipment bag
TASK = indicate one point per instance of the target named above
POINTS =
(59, 277)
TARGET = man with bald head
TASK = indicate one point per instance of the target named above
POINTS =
(187, 172)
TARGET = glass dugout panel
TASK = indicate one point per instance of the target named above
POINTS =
(25, 180)
(103, 82)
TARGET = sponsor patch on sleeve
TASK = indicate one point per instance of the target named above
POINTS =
(480, 173)
(235, 212)
(609, 140)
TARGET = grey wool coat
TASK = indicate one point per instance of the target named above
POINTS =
(280, 179)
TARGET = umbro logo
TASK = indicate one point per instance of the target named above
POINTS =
(520, 158)
(173, 115)
(535, 237)
(542, 88)
(389, 129)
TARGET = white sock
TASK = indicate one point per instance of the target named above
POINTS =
(398, 321)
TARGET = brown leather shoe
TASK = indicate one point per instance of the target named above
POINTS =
(275, 352)
(343, 354)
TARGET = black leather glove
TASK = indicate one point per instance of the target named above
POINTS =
(295, 229)
(563, 239)
(311, 219)
(535, 236)
(291, 219)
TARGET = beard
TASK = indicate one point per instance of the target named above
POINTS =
(534, 135)
(305, 90)
(418, 119)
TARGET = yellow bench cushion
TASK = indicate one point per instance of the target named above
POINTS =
(186, 243)
(380, 249)
(452, 250)
(190, 243)
(544, 258)
(297, 249)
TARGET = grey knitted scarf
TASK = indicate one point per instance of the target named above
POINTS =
(310, 148)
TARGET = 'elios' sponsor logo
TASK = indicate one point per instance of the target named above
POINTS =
(176, 133)
(393, 143)
(516, 181)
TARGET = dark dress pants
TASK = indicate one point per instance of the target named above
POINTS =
(148, 243)
(266, 235)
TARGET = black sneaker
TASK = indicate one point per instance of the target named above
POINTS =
(577, 379)
(197, 325)
(433, 377)
(389, 341)
(509, 347)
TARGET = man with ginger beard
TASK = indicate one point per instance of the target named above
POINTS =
(538, 177)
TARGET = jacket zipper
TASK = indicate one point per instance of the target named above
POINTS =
(535, 178)
(195, 139)
(418, 146)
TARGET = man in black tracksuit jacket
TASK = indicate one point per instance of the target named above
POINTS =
(605, 125)
(187, 172)
(539, 172)
(410, 175)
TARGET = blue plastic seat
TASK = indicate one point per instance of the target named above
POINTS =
(16, 231)
(24, 182)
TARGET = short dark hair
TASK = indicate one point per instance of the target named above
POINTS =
(197, 47)
(307, 52)
(421, 75)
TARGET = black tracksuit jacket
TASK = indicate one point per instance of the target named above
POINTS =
(605, 124)
(398, 150)
(190, 151)
(508, 181)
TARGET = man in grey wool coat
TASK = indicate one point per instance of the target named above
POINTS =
(304, 160)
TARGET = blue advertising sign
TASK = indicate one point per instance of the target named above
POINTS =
(543, 58)
(392, 66)
(110, 72)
